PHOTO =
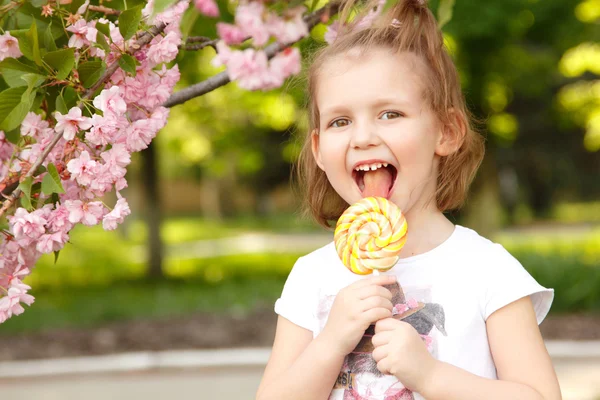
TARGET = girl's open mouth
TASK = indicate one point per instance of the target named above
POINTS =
(375, 179)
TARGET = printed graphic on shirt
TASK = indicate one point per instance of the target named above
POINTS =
(359, 378)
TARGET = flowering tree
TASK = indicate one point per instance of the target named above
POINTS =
(83, 86)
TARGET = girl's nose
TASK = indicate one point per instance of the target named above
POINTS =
(364, 136)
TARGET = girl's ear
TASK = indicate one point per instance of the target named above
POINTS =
(451, 135)
(314, 137)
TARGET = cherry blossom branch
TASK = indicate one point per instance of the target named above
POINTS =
(143, 39)
(222, 78)
(198, 43)
(105, 10)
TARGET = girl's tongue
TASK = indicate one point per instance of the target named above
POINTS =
(377, 183)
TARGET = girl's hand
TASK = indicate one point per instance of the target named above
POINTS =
(355, 308)
(400, 351)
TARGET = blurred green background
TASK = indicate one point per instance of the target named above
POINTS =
(221, 170)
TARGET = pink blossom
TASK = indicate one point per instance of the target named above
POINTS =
(117, 215)
(83, 7)
(26, 226)
(58, 221)
(288, 30)
(33, 124)
(165, 48)
(139, 135)
(80, 32)
(207, 7)
(104, 130)
(223, 56)
(286, 63)
(70, 123)
(82, 169)
(249, 18)
(51, 242)
(230, 34)
(11, 303)
(9, 46)
(156, 95)
(250, 69)
(158, 119)
(109, 101)
(116, 159)
(148, 9)
(171, 76)
(368, 19)
(88, 213)
(332, 32)
(172, 14)
(6, 147)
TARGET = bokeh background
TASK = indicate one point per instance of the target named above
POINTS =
(215, 227)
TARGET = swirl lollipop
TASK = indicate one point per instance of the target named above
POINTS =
(369, 235)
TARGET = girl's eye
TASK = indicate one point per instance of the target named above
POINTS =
(340, 123)
(391, 115)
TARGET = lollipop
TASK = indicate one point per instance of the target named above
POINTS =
(369, 235)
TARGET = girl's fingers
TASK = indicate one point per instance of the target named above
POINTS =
(376, 280)
(387, 324)
(375, 314)
(375, 302)
(380, 353)
(374, 290)
(381, 339)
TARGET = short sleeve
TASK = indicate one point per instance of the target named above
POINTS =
(508, 281)
(298, 298)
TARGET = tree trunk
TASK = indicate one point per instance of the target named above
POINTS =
(152, 211)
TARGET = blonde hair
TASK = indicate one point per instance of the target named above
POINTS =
(409, 26)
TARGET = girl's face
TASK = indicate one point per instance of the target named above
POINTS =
(372, 111)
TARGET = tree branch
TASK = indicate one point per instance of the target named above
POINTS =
(222, 78)
(105, 10)
(198, 43)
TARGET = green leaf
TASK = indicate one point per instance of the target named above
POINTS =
(12, 70)
(60, 105)
(25, 187)
(49, 41)
(129, 21)
(62, 61)
(56, 253)
(75, 5)
(35, 45)
(51, 182)
(445, 12)
(128, 63)
(90, 72)
(33, 80)
(104, 28)
(14, 105)
(29, 42)
(101, 41)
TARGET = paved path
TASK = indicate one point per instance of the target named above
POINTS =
(223, 375)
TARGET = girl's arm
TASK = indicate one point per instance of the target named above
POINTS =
(523, 365)
(299, 367)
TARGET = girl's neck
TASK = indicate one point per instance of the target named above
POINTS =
(427, 229)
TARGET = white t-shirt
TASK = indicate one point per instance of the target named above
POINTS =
(447, 294)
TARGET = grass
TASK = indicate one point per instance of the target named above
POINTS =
(184, 229)
(100, 278)
(129, 300)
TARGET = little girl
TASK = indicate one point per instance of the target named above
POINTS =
(457, 317)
